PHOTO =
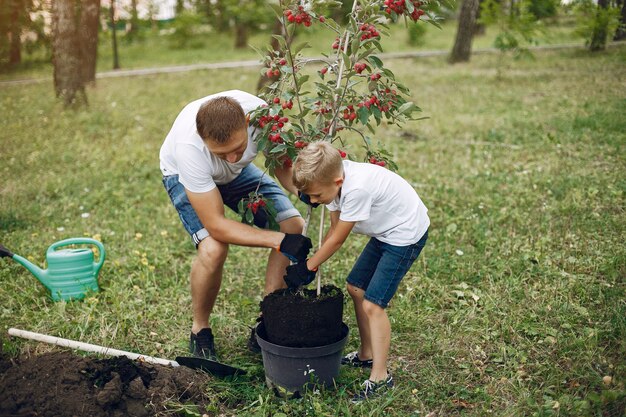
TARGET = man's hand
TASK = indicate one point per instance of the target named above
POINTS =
(295, 247)
(306, 199)
(298, 274)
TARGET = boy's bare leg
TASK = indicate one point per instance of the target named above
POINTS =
(380, 332)
(362, 320)
(206, 279)
(277, 262)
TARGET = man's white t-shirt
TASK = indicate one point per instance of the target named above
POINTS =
(382, 203)
(184, 153)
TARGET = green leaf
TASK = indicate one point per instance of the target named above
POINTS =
(300, 47)
(240, 207)
(363, 114)
(406, 108)
(281, 41)
(249, 217)
(409, 6)
(375, 61)
(303, 79)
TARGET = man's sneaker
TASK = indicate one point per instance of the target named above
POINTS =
(202, 344)
(253, 345)
(352, 359)
(371, 389)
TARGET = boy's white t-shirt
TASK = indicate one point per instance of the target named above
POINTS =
(382, 203)
(184, 153)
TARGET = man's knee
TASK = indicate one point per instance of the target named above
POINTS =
(211, 252)
(292, 225)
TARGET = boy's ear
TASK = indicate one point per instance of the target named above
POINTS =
(339, 181)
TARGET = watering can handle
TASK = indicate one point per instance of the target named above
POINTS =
(81, 241)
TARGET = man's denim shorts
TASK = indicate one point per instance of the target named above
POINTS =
(381, 267)
(231, 193)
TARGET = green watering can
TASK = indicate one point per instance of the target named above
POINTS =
(71, 273)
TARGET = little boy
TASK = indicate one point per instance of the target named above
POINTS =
(370, 200)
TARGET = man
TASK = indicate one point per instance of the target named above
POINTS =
(206, 161)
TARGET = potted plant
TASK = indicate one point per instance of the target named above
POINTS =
(348, 93)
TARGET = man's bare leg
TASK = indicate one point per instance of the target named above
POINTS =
(206, 279)
(277, 262)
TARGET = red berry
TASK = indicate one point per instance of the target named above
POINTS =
(276, 100)
(372, 160)
(283, 61)
(269, 73)
(322, 19)
(381, 163)
(342, 153)
(324, 70)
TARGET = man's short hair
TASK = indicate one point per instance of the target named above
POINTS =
(219, 118)
(320, 162)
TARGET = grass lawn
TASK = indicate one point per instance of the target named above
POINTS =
(516, 306)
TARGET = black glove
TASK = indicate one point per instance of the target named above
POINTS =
(298, 274)
(295, 247)
(306, 199)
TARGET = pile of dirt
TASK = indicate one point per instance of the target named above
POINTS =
(66, 384)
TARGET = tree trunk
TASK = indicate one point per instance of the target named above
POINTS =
(241, 35)
(68, 82)
(116, 59)
(479, 27)
(89, 21)
(599, 35)
(620, 33)
(463, 44)
(264, 80)
(180, 6)
(15, 46)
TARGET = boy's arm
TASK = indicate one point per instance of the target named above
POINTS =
(284, 176)
(334, 218)
(334, 239)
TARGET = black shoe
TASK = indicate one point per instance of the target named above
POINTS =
(371, 389)
(253, 345)
(352, 359)
(202, 344)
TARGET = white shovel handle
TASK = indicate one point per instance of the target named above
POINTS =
(87, 347)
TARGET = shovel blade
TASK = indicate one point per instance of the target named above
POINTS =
(207, 365)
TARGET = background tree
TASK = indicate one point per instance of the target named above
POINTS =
(597, 22)
(620, 33)
(14, 17)
(247, 16)
(66, 53)
(88, 38)
(462, 48)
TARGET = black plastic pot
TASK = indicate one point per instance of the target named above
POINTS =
(290, 370)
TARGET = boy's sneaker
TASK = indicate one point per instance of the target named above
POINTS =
(371, 389)
(202, 344)
(352, 359)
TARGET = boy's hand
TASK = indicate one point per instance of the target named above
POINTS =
(306, 199)
(298, 274)
(295, 247)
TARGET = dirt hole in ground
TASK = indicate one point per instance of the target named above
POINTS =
(67, 384)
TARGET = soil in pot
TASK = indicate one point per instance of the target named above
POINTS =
(303, 319)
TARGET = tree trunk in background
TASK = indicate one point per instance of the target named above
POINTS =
(264, 80)
(479, 28)
(68, 82)
(116, 59)
(221, 22)
(15, 34)
(134, 21)
(180, 6)
(598, 38)
(241, 35)
(620, 33)
(88, 38)
(463, 44)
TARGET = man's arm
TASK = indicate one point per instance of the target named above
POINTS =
(210, 209)
(333, 241)
(285, 177)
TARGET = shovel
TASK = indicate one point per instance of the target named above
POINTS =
(206, 365)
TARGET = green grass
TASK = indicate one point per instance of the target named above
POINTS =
(156, 49)
(516, 306)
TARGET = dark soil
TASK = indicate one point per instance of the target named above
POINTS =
(66, 384)
(302, 319)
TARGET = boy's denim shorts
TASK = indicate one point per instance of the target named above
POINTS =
(231, 193)
(381, 267)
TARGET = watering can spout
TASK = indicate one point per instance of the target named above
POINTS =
(40, 274)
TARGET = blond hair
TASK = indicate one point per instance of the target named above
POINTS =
(219, 118)
(319, 162)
